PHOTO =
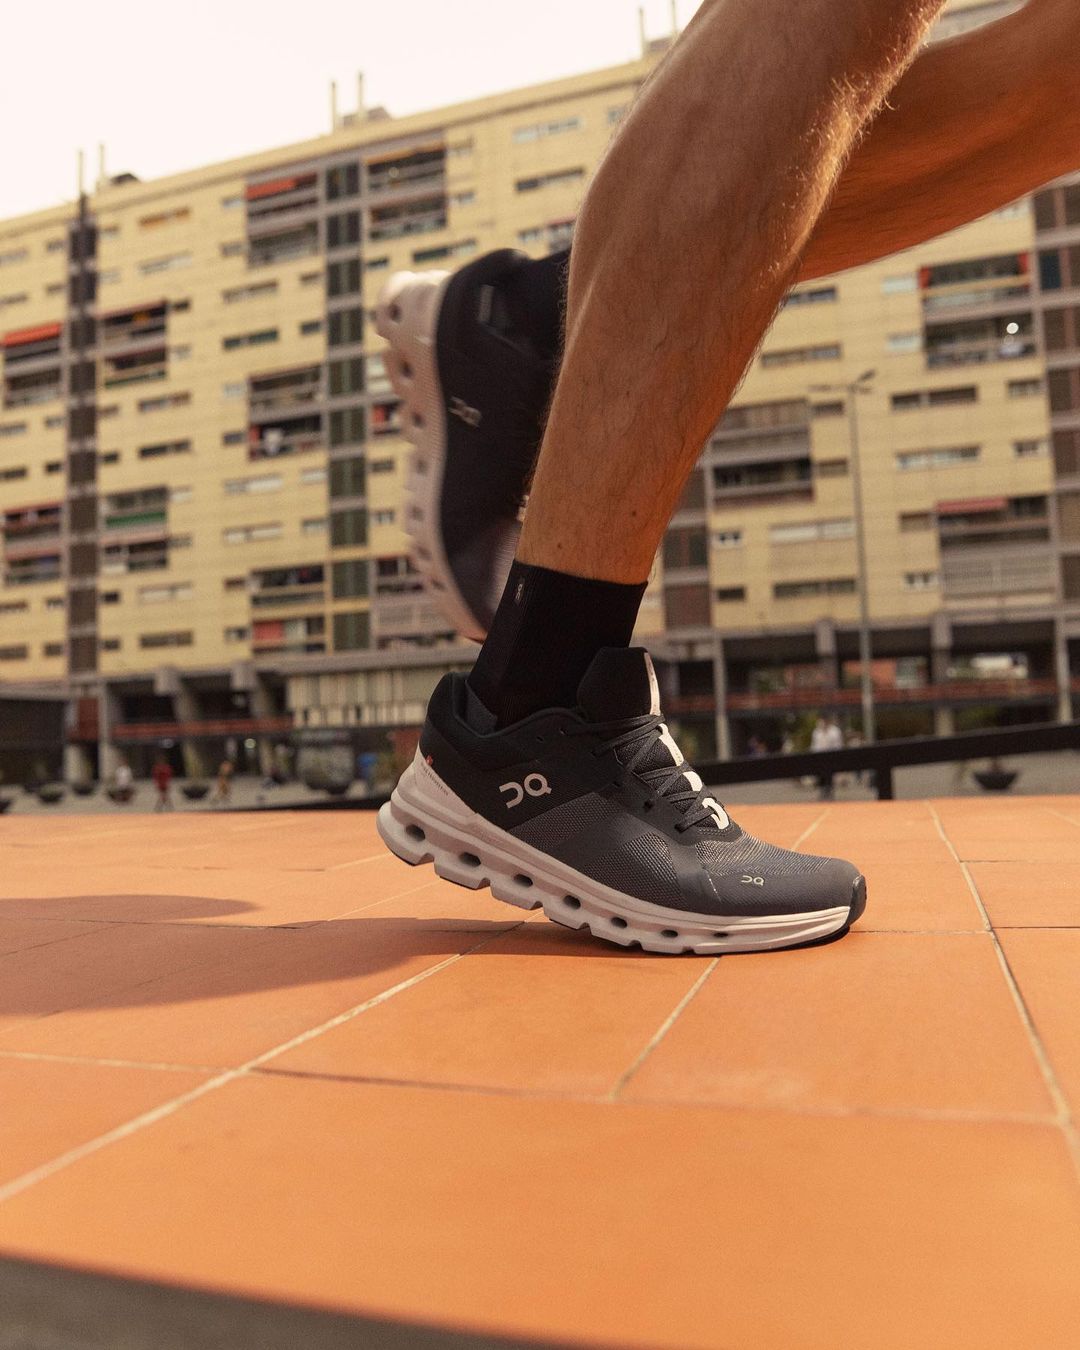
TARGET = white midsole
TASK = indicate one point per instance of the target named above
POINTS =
(407, 316)
(424, 821)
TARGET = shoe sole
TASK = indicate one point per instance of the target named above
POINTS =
(407, 316)
(425, 822)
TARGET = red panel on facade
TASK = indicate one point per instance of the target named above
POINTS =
(18, 336)
(277, 186)
(973, 506)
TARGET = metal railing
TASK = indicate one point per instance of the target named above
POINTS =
(886, 756)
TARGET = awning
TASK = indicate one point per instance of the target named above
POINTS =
(18, 336)
(972, 506)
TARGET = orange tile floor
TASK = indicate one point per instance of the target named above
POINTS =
(255, 1054)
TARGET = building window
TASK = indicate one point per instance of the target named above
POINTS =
(817, 295)
(727, 538)
(934, 398)
(343, 277)
(1024, 388)
(256, 339)
(263, 482)
(920, 581)
(465, 198)
(13, 429)
(54, 466)
(13, 606)
(257, 291)
(560, 177)
(795, 356)
(343, 180)
(165, 594)
(109, 597)
(913, 522)
(730, 594)
(343, 229)
(239, 633)
(1050, 269)
(904, 342)
(538, 130)
(251, 534)
(164, 218)
(316, 525)
(233, 249)
(111, 644)
(350, 579)
(317, 474)
(798, 590)
(351, 632)
(1031, 449)
(159, 404)
(386, 516)
(348, 528)
(14, 653)
(834, 408)
(310, 326)
(9, 475)
(811, 530)
(164, 448)
(831, 468)
(902, 284)
(936, 459)
(174, 639)
(169, 263)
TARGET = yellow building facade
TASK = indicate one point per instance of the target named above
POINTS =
(202, 466)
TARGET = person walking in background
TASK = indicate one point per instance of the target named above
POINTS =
(777, 141)
(223, 787)
(163, 775)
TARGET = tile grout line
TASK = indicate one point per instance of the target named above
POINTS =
(91, 1061)
(28, 1179)
(663, 1029)
(810, 829)
(1063, 1113)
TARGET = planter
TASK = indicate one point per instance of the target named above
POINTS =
(337, 789)
(83, 789)
(996, 780)
(120, 795)
(195, 792)
(50, 794)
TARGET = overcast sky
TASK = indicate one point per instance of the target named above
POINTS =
(171, 86)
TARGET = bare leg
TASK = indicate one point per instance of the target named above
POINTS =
(976, 122)
(671, 288)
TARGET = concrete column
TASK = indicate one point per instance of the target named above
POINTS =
(1062, 672)
(940, 658)
(186, 708)
(110, 755)
(78, 767)
(261, 701)
(825, 646)
(720, 685)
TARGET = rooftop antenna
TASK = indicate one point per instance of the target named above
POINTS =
(674, 18)
(641, 28)
(81, 171)
(333, 106)
(360, 95)
(101, 178)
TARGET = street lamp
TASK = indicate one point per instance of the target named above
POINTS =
(860, 386)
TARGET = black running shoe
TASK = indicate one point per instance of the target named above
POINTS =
(475, 392)
(594, 814)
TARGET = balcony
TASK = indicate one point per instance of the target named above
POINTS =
(397, 221)
(405, 173)
(997, 572)
(137, 367)
(26, 391)
(275, 445)
(280, 196)
(284, 246)
(135, 328)
(276, 393)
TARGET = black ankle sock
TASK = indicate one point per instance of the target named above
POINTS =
(535, 295)
(546, 631)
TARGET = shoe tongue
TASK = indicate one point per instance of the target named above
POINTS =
(620, 683)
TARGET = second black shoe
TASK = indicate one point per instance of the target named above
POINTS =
(475, 386)
(593, 813)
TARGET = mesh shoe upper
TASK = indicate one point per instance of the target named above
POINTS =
(613, 799)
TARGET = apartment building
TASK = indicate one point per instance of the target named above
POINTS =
(202, 461)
